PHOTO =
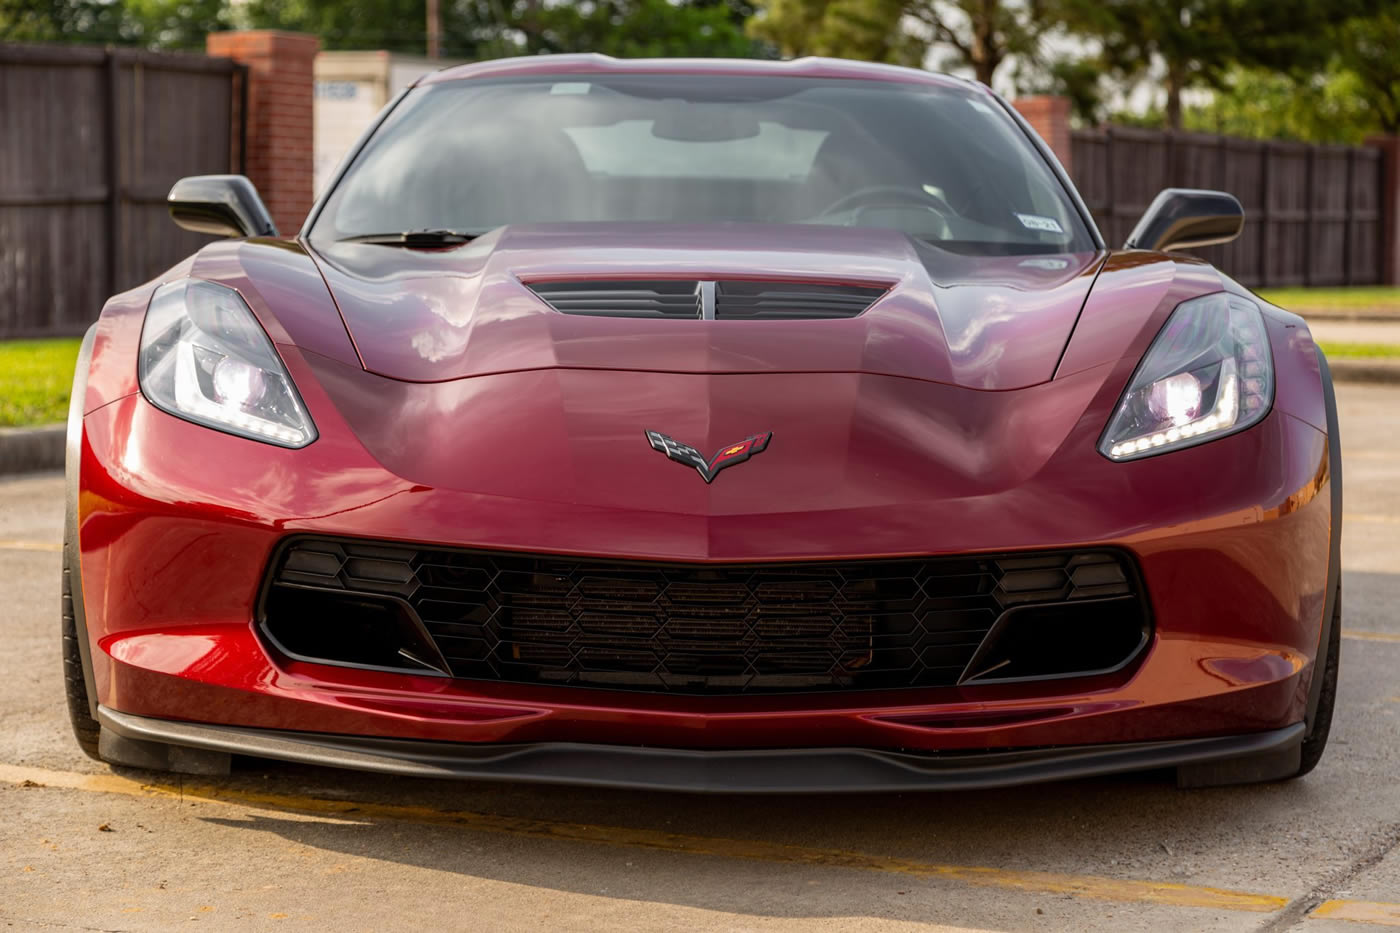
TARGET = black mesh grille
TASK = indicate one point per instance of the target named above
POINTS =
(790, 300)
(707, 629)
(662, 299)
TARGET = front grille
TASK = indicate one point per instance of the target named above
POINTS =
(736, 300)
(694, 628)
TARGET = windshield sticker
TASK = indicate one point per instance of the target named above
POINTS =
(1036, 222)
(1050, 265)
(980, 107)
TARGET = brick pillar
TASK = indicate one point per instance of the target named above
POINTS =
(1048, 115)
(280, 135)
(1389, 207)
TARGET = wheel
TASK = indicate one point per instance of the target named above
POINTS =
(1293, 762)
(85, 728)
(1316, 743)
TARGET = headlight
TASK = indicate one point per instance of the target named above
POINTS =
(205, 358)
(1209, 373)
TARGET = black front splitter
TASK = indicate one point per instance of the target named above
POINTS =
(145, 742)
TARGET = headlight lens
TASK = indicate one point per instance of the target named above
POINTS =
(1208, 373)
(205, 358)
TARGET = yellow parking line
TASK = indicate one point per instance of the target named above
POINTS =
(1371, 636)
(1371, 518)
(1040, 882)
(31, 546)
(1386, 915)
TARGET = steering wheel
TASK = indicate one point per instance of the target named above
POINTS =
(891, 195)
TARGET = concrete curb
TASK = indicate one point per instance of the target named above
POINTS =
(1352, 369)
(27, 450)
(1358, 316)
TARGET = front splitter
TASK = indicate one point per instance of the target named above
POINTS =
(744, 771)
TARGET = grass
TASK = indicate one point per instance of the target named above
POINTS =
(1354, 298)
(1372, 351)
(35, 379)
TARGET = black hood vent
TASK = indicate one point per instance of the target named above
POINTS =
(737, 300)
(622, 298)
(769, 301)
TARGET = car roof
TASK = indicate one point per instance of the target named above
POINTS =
(593, 64)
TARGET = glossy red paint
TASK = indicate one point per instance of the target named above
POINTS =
(960, 413)
(178, 523)
(437, 315)
(603, 64)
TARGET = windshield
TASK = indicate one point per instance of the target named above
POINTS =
(943, 164)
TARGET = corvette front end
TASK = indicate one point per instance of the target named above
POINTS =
(667, 505)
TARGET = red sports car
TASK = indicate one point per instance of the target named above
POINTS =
(706, 425)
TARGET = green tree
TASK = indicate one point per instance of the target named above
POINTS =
(983, 34)
(1198, 42)
(1368, 47)
(867, 30)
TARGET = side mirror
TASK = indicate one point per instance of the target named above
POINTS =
(1185, 218)
(224, 205)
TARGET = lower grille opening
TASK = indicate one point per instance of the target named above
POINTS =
(1059, 640)
(702, 628)
(347, 628)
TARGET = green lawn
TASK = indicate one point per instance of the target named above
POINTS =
(35, 377)
(1361, 350)
(1355, 298)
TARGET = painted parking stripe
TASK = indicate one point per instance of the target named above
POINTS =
(1371, 636)
(1386, 915)
(1040, 882)
(55, 546)
(1371, 518)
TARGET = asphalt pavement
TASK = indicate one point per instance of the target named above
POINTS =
(281, 847)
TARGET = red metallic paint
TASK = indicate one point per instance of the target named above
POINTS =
(436, 315)
(960, 414)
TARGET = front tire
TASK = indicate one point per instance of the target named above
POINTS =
(85, 729)
(1316, 742)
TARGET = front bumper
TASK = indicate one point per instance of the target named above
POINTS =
(748, 771)
(177, 525)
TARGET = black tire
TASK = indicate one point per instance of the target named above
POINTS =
(1316, 743)
(85, 728)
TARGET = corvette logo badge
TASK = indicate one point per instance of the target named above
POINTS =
(708, 469)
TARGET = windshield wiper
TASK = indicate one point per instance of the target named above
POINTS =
(415, 239)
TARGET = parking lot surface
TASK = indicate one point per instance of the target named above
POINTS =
(283, 847)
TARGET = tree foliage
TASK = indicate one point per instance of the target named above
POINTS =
(1199, 42)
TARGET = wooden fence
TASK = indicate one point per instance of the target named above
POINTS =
(91, 140)
(1312, 212)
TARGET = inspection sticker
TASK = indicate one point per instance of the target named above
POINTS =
(1036, 222)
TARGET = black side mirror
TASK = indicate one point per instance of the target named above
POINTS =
(224, 205)
(1185, 218)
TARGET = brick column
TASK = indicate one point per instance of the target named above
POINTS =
(1048, 115)
(280, 101)
(1389, 207)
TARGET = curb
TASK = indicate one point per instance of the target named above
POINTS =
(1359, 316)
(27, 450)
(1351, 369)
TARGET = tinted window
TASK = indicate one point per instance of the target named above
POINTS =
(944, 164)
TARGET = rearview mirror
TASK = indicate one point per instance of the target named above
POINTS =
(224, 205)
(1185, 218)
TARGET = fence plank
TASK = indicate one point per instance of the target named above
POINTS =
(1311, 210)
(91, 139)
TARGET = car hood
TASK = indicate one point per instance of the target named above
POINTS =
(436, 315)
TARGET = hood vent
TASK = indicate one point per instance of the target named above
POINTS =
(790, 300)
(707, 300)
(622, 299)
